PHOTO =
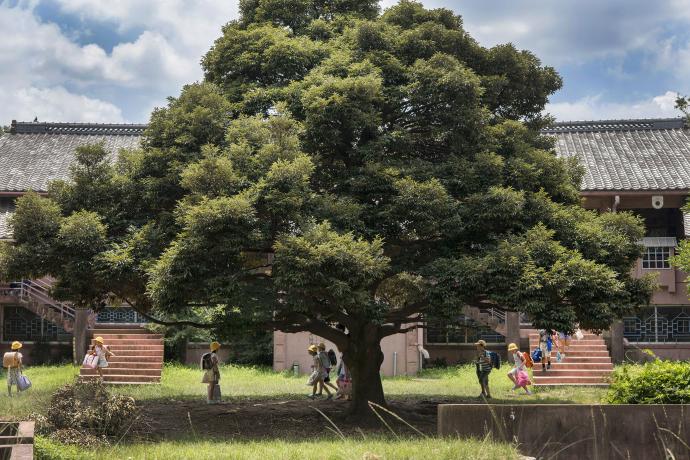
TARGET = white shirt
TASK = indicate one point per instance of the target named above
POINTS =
(519, 362)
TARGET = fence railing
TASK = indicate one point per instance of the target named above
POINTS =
(37, 291)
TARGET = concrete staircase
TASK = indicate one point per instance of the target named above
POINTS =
(34, 295)
(138, 356)
(587, 362)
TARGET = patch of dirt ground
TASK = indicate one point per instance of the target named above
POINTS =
(287, 418)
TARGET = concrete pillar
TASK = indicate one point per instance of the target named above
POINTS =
(80, 333)
(617, 348)
(512, 330)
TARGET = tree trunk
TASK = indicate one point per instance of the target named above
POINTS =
(364, 358)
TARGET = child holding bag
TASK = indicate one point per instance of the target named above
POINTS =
(102, 352)
(518, 374)
(13, 362)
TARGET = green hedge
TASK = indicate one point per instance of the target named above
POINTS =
(656, 382)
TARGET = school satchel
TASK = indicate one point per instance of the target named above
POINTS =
(495, 360)
(9, 359)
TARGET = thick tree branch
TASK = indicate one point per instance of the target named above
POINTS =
(169, 323)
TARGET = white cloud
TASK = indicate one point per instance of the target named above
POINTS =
(595, 108)
(57, 104)
(569, 31)
(190, 26)
(38, 60)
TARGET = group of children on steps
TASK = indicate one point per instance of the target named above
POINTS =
(486, 360)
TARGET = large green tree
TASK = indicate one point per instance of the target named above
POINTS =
(342, 172)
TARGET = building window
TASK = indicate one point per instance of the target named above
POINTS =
(461, 331)
(658, 324)
(656, 257)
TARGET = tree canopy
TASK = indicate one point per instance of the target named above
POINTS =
(345, 172)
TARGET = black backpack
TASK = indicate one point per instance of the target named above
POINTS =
(206, 362)
(495, 360)
(332, 357)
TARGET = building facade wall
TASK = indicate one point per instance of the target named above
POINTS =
(291, 348)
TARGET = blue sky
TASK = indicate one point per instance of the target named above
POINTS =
(115, 60)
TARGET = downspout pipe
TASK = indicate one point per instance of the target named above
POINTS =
(616, 202)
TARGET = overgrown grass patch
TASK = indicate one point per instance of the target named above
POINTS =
(246, 382)
(46, 380)
(451, 449)
(461, 382)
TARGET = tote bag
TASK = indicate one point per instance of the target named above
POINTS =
(23, 383)
(90, 361)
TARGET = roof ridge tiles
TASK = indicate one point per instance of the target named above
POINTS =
(86, 129)
(639, 124)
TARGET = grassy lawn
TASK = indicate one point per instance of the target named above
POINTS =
(182, 383)
(240, 382)
(356, 449)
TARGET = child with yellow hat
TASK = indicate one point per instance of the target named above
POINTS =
(209, 364)
(13, 361)
(317, 374)
(101, 350)
(518, 374)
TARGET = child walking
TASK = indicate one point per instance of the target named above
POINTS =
(209, 364)
(326, 363)
(100, 350)
(344, 381)
(518, 374)
(14, 368)
(317, 375)
(483, 363)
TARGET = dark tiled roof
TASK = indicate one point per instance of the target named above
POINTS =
(87, 129)
(37, 153)
(627, 155)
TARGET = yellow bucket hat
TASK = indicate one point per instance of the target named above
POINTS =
(98, 339)
(16, 345)
(214, 346)
(312, 348)
(322, 346)
(512, 347)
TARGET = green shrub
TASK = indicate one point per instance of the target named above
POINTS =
(656, 382)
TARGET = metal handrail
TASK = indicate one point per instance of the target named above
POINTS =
(38, 290)
(496, 313)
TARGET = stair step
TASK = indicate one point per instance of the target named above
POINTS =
(569, 365)
(583, 360)
(123, 378)
(128, 336)
(157, 341)
(125, 330)
(571, 372)
(138, 354)
(583, 354)
(569, 380)
(134, 346)
(137, 358)
(135, 365)
(121, 371)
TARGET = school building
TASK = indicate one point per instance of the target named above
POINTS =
(641, 166)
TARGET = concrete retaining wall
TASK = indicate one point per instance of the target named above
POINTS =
(667, 351)
(16, 440)
(575, 431)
